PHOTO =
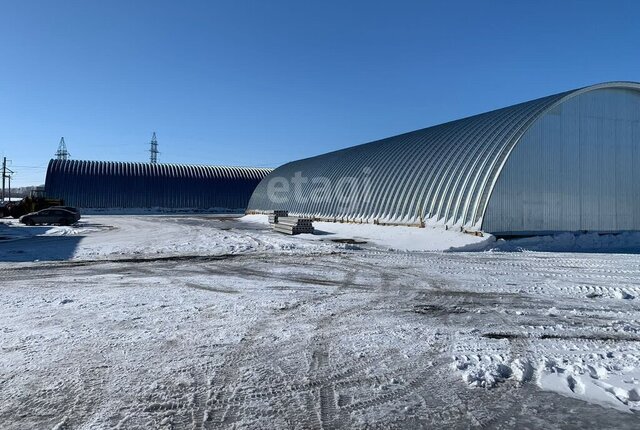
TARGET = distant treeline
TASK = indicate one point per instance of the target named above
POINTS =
(21, 191)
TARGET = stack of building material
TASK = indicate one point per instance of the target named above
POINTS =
(293, 225)
(274, 215)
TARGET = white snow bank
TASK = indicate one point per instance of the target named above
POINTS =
(430, 238)
(599, 378)
(627, 242)
(436, 238)
(609, 376)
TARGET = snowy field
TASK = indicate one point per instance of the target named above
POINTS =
(182, 322)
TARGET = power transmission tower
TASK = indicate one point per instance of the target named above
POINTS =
(154, 149)
(62, 153)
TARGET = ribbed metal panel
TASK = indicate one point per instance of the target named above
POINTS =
(445, 173)
(576, 168)
(101, 184)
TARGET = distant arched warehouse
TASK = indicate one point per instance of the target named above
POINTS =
(104, 184)
(566, 162)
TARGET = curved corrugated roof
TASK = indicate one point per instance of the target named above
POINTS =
(445, 172)
(104, 184)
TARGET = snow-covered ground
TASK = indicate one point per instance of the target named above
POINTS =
(211, 321)
(432, 238)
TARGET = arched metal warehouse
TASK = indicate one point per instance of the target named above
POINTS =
(103, 184)
(566, 162)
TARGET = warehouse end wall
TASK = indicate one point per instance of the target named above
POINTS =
(576, 168)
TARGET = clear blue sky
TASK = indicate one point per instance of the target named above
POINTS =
(264, 82)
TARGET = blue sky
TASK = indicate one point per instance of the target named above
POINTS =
(259, 83)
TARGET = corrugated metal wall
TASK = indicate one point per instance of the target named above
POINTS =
(576, 168)
(439, 172)
(103, 184)
(445, 173)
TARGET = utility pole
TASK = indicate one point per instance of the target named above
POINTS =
(154, 149)
(62, 153)
(6, 173)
